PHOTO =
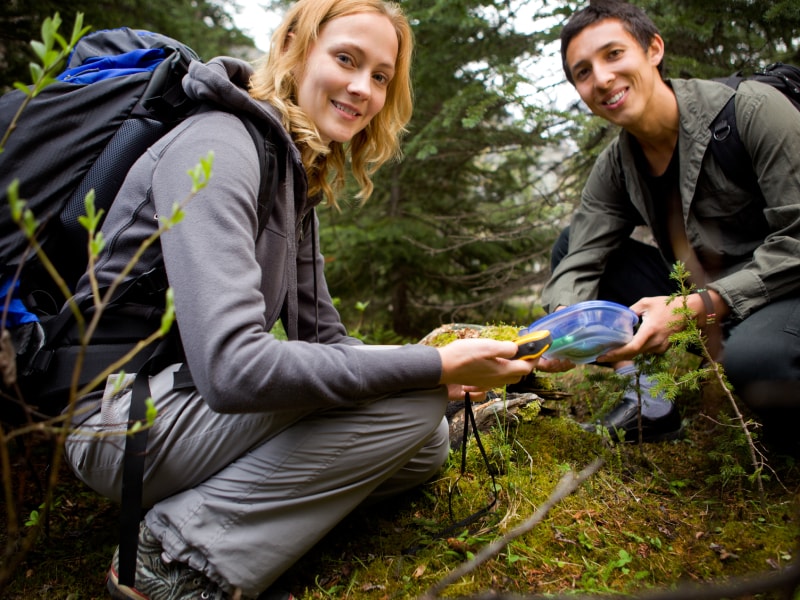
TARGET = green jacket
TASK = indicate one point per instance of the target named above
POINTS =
(749, 247)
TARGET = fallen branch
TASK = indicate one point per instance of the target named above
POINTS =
(489, 414)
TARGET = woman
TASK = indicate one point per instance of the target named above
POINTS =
(278, 440)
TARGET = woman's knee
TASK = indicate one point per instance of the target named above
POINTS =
(423, 408)
(440, 444)
(424, 413)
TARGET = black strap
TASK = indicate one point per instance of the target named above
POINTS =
(133, 478)
(457, 526)
(469, 421)
(168, 351)
(727, 146)
(728, 149)
(268, 163)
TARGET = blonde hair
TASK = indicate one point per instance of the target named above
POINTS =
(274, 81)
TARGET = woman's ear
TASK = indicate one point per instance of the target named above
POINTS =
(289, 39)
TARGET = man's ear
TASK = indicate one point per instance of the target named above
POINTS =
(656, 50)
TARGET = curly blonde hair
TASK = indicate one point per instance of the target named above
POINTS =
(274, 81)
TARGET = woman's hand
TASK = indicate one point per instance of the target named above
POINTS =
(457, 392)
(482, 363)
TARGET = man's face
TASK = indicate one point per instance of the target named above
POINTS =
(613, 74)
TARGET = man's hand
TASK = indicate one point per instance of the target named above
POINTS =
(658, 322)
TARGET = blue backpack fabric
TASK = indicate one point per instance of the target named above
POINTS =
(119, 93)
(726, 145)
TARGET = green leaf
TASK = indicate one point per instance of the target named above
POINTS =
(97, 244)
(16, 204)
(39, 49)
(23, 88)
(33, 519)
(178, 214)
(151, 411)
(28, 223)
(36, 72)
(169, 312)
(201, 172)
(118, 383)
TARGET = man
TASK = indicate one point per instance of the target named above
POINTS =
(741, 247)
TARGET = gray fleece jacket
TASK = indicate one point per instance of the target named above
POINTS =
(231, 284)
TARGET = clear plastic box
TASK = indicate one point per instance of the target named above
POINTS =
(585, 330)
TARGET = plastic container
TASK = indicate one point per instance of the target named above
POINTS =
(584, 331)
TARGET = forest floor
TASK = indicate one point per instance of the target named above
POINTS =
(653, 516)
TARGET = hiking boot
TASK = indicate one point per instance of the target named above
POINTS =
(623, 422)
(157, 580)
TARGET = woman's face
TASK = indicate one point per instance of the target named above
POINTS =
(347, 74)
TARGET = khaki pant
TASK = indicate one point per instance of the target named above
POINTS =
(242, 497)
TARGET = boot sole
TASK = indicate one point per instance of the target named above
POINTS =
(121, 592)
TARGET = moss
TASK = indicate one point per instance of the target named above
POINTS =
(455, 331)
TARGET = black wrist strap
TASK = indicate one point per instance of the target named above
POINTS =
(711, 315)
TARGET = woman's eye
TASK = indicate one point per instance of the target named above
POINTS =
(381, 78)
(344, 59)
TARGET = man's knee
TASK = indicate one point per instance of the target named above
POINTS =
(763, 351)
(759, 372)
(762, 363)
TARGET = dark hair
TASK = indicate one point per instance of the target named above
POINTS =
(634, 20)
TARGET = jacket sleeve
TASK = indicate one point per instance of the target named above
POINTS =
(769, 127)
(604, 219)
(221, 306)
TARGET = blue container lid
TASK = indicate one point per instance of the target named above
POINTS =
(585, 330)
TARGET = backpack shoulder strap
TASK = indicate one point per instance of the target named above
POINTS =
(268, 163)
(727, 146)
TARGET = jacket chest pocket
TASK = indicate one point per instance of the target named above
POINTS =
(728, 224)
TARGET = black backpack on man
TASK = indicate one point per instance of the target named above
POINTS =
(726, 145)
